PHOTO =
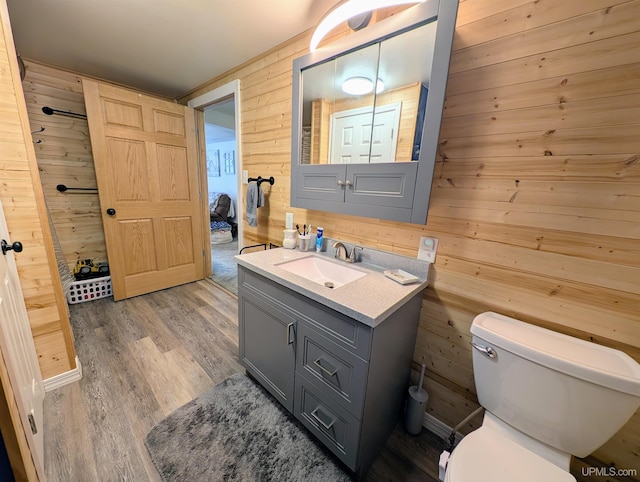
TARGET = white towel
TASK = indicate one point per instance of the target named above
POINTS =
(255, 199)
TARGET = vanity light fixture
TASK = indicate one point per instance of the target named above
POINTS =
(347, 9)
(361, 86)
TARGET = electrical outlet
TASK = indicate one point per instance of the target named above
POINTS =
(427, 249)
(245, 177)
(288, 221)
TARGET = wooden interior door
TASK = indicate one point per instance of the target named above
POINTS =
(146, 162)
(363, 136)
(19, 353)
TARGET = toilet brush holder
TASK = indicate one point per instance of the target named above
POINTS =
(416, 406)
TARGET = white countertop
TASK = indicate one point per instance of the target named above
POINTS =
(370, 299)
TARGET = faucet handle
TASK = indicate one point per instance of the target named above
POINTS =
(353, 257)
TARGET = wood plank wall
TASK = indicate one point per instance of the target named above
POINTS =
(64, 156)
(535, 197)
(23, 204)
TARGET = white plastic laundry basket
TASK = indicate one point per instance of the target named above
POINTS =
(89, 290)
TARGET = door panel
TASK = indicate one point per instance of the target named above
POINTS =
(147, 170)
(138, 246)
(19, 352)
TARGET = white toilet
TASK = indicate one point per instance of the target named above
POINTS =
(547, 396)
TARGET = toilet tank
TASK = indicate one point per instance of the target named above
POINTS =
(568, 393)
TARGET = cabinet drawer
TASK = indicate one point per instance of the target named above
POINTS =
(343, 330)
(336, 429)
(338, 372)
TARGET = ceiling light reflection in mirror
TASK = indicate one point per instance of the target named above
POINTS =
(361, 86)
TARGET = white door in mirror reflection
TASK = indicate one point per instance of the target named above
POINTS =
(354, 140)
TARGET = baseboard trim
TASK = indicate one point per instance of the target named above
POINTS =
(438, 427)
(65, 378)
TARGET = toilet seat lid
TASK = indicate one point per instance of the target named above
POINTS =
(488, 455)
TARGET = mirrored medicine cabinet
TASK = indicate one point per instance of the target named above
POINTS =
(366, 116)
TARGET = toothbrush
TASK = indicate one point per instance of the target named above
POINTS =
(309, 230)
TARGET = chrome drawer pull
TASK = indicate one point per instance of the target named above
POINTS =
(315, 415)
(328, 372)
(289, 340)
(487, 350)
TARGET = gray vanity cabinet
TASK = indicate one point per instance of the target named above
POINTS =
(344, 380)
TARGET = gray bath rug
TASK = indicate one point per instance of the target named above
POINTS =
(237, 432)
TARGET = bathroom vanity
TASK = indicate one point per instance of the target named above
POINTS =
(338, 359)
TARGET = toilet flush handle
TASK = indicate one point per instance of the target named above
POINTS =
(487, 350)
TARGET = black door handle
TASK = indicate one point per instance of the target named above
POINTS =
(111, 211)
(16, 246)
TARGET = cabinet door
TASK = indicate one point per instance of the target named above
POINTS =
(267, 346)
(320, 183)
(388, 184)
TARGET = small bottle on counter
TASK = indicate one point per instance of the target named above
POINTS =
(319, 232)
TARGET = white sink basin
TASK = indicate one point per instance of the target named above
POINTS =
(331, 274)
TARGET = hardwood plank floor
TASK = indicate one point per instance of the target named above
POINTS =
(144, 357)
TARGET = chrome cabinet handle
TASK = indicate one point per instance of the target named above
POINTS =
(325, 370)
(289, 339)
(487, 350)
(320, 421)
(348, 183)
(341, 183)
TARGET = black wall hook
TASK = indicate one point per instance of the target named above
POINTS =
(260, 180)
(63, 188)
(67, 113)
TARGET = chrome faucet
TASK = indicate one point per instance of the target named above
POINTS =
(342, 253)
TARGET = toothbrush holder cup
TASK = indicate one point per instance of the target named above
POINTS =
(304, 242)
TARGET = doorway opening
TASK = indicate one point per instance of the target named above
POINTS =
(222, 167)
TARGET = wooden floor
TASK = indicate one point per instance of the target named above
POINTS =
(144, 357)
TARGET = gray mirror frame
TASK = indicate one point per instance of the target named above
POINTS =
(446, 12)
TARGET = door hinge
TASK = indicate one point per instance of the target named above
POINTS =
(32, 424)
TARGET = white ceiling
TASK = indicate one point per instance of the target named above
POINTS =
(164, 46)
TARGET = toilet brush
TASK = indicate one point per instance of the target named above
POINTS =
(416, 405)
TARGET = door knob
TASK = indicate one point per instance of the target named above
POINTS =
(111, 211)
(16, 246)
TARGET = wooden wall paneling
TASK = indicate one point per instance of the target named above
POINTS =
(608, 111)
(611, 82)
(24, 205)
(587, 167)
(578, 30)
(602, 248)
(479, 29)
(603, 54)
(64, 157)
(534, 198)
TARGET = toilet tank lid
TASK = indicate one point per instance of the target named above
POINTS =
(578, 358)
